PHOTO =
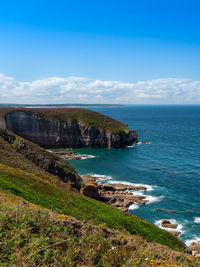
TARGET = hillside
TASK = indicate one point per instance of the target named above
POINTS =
(66, 127)
(26, 156)
(34, 236)
(24, 176)
(21, 176)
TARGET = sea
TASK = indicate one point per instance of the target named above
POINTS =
(169, 165)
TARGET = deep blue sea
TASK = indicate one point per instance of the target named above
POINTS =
(169, 164)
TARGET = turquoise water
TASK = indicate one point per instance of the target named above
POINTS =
(169, 164)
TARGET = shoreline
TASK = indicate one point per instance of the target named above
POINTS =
(70, 154)
(115, 194)
(122, 195)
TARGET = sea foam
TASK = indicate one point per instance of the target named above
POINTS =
(153, 199)
(137, 144)
(87, 156)
(149, 187)
(197, 220)
(101, 177)
(141, 143)
(189, 241)
(134, 207)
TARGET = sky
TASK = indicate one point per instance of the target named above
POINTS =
(98, 51)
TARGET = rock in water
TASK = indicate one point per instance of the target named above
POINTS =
(167, 224)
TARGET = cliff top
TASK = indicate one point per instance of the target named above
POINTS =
(88, 117)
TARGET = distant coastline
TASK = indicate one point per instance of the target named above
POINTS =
(59, 105)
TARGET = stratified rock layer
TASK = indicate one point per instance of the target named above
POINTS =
(55, 134)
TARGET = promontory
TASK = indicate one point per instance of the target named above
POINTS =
(67, 127)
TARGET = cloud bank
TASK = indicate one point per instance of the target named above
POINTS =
(56, 90)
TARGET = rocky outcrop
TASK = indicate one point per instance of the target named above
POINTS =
(167, 225)
(69, 154)
(116, 195)
(55, 134)
(44, 159)
(195, 248)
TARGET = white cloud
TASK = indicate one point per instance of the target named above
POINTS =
(82, 90)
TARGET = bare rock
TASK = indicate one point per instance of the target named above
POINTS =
(90, 190)
(167, 224)
(195, 247)
(126, 187)
(164, 221)
(170, 225)
(116, 195)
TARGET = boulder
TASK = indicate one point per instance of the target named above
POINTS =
(90, 190)
(164, 221)
(167, 224)
(195, 247)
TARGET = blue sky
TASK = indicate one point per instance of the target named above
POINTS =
(143, 52)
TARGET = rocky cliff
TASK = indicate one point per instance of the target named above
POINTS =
(19, 153)
(75, 128)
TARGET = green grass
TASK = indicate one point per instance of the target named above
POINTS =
(33, 236)
(39, 192)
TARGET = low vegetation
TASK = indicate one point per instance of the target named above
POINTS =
(33, 236)
(49, 194)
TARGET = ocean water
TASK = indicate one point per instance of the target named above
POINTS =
(169, 164)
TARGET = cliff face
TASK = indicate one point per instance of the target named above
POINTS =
(54, 134)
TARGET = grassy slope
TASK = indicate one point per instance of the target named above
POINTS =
(33, 236)
(88, 117)
(20, 153)
(23, 178)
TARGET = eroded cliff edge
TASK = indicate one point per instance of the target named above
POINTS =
(74, 128)
(19, 153)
